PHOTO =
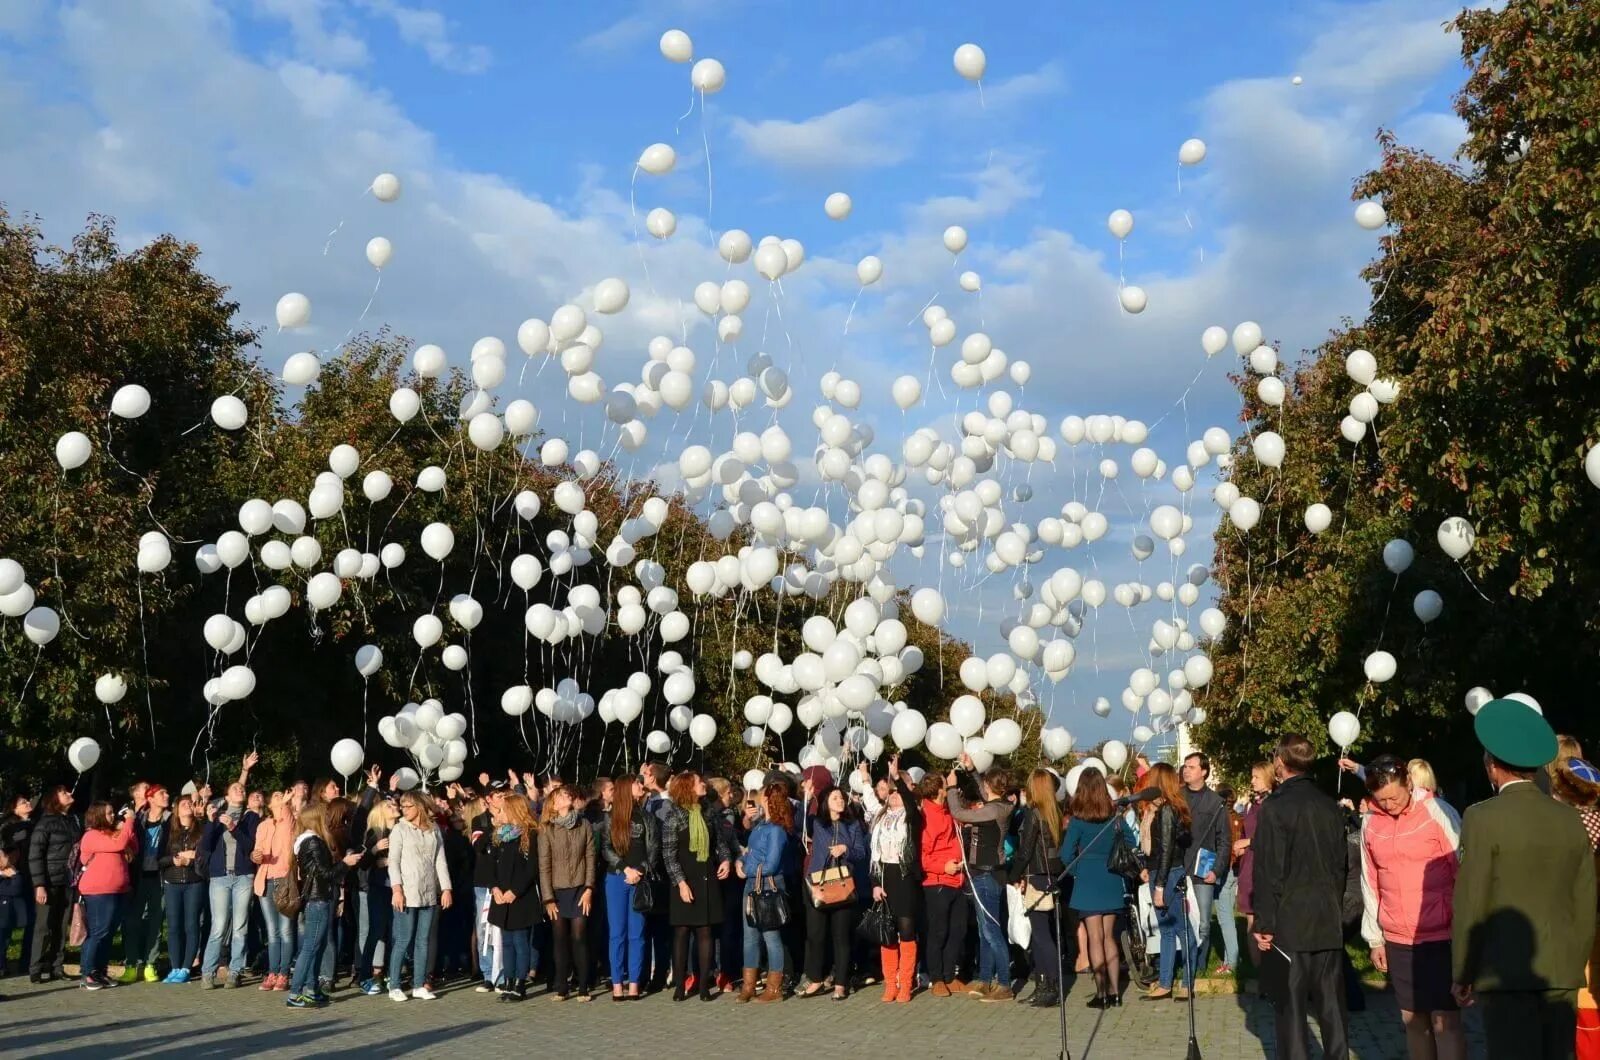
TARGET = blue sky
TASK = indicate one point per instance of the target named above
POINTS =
(252, 127)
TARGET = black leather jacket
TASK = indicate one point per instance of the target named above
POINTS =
(640, 826)
(1169, 842)
(320, 875)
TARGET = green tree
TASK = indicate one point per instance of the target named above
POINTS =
(1486, 311)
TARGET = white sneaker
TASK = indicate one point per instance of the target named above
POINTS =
(484, 988)
(422, 993)
(396, 994)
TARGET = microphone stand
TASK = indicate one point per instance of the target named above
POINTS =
(1190, 958)
(1061, 938)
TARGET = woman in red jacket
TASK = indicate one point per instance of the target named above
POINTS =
(943, 889)
(103, 851)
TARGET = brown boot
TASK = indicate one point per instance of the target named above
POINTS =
(908, 972)
(747, 992)
(891, 971)
(774, 990)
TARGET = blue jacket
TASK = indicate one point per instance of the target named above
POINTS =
(765, 853)
(213, 851)
(857, 855)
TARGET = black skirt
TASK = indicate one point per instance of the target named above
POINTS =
(706, 909)
(904, 893)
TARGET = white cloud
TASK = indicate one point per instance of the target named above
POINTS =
(863, 135)
(895, 50)
(314, 39)
(430, 31)
(620, 36)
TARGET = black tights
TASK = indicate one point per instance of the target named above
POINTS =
(1100, 932)
(680, 956)
(907, 926)
(571, 939)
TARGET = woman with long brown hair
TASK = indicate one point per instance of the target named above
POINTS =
(1169, 843)
(105, 849)
(1038, 861)
(185, 890)
(566, 883)
(514, 906)
(320, 875)
(695, 855)
(761, 867)
(1097, 893)
(627, 849)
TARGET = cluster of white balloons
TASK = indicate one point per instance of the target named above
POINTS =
(431, 738)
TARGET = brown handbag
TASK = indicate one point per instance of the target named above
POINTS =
(835, 884)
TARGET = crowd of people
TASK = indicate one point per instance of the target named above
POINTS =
(968, 884)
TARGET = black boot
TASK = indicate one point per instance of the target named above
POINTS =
(1047, 996)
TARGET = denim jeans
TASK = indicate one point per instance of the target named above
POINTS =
(480, 896)
(626, 930)
(1227, 897)
(377, 919)
(141, 920)
(100, 911)
(994, 953)
(517, 955)
(280, 932)
(313, 941)
(230, 907)
(1173, 918)
(1205, 896)
(183, 902)
(413, 931)
(753, 942)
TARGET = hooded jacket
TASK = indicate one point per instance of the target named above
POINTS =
(940, 846)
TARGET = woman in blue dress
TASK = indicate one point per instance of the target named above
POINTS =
(1097, 892)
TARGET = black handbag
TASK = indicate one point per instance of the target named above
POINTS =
(644, 894)
(766, 907)
(878, 927)
(1123, 860)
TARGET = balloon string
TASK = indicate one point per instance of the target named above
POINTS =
(144, 650)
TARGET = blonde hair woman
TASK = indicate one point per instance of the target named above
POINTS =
(377, 911)
(420, 882)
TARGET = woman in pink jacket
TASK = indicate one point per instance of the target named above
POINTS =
(274, 837)
(103, 851)
(1410, 852)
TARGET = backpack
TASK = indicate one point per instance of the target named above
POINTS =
(75, 864)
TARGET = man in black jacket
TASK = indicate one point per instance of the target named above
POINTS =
(1300, 873)
(1208, 816)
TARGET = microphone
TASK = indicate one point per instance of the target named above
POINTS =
(1147, 795)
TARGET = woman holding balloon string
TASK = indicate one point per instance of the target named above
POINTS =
(897, 857)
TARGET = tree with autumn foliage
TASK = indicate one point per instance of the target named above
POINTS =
(78, 322)
(1486, 312)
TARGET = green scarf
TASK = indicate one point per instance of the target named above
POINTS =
(699, 835)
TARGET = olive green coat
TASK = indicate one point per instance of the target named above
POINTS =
(1524, 916)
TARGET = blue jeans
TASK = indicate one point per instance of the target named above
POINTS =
(1173, 920)
(1205, 896)
(413, 931)
(626, 930)
(101, 912)
(230, 912)
(994, 953)
(516, 955)
(377, 918)
(280, 932)
(313, 941)
(1227, 896)
(183, 901)
(753, 942)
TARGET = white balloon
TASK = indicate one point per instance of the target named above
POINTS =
(1120, 223)
(676, 46)
(837, 206)
(656, 159)
(1344, 728)
(869, 270)
(1397, 555)
(1379, 667)
(1427, 605)
(110, 688)
(943, 741)
(1133, 299)
(708, 76)
(130, 401)
(293, 311)
(1191, 153)
(1370, 215)
(379, 251)
(928, 607)
(41, 625)
(610, 295)
(437, 540)
(1456, 537)
(386, 187)
(73, 450)
(427, 630)
(228, 412)
(1318, 517)
(347, 757)
(83, 754)
(970, 62)
(1477, 697)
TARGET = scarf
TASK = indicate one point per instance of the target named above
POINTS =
(699, 835)
(566, 820)
(507, 833)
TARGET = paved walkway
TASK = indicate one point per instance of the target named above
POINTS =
(192, 1024)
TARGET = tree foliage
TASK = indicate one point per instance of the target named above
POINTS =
(77, 322)
(1486, 310)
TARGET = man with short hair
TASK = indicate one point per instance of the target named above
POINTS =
(225, 846)
(1409, 855)
(1300, 873)
(1209, 827)
(1524, 896)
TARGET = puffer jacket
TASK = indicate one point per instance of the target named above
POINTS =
(50, 847)
(1408, 872)
(940, 846)
(566, 856)
(320, 875)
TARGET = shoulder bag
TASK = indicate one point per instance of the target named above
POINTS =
(287, 897)
(766, 907)
(1122, 861)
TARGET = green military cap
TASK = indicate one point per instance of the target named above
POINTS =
(1515, 733)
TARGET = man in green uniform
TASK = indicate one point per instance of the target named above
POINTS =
(1525, 897)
